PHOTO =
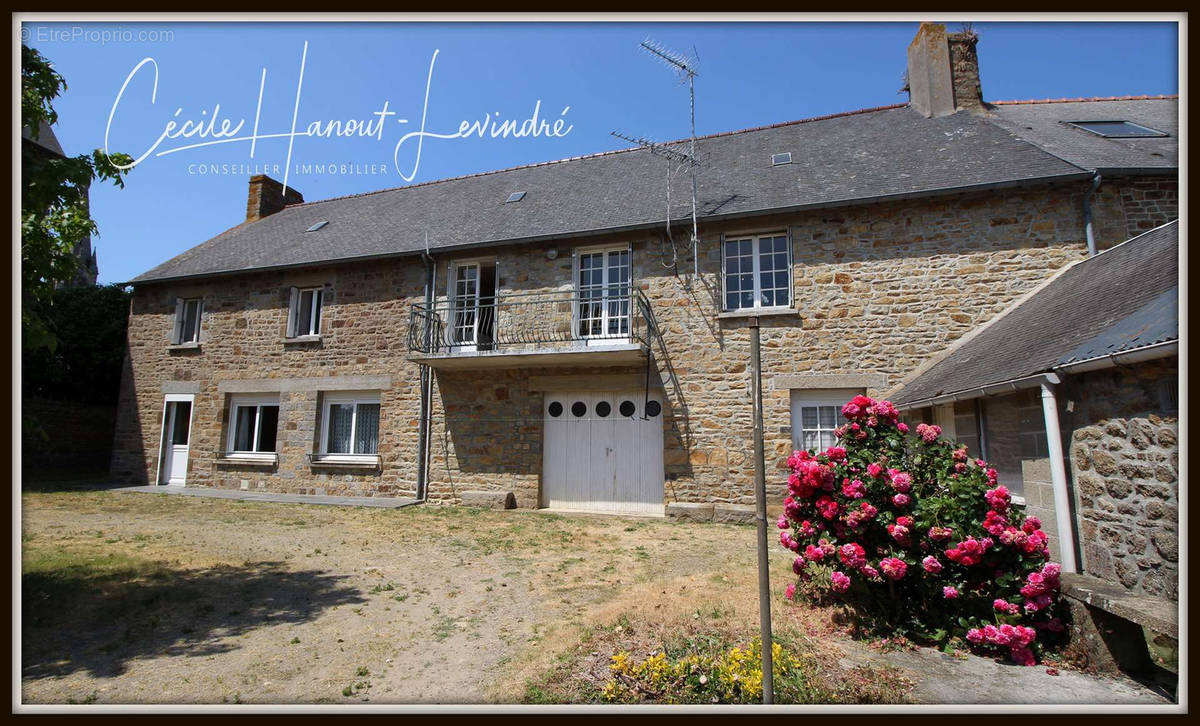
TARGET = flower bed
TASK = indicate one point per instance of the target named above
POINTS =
(918, 539)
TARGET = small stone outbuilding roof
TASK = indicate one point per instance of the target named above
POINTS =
(1122, 299)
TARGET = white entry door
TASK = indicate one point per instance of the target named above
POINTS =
(177, 425)
(603, 452)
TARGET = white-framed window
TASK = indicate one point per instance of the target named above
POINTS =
(350, 424)
(757, 271)
(304, 312)
(603, 285)
(816, 413)
(188, 312)
(253, 424)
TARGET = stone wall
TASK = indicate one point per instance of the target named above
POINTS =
(1149, 202)
(877, 288)
(1124, 461)
(77, 438)
(363, 338)
(1124, 207)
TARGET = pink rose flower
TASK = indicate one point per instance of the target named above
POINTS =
(854, 489)
(932, 565)
(900, 500)
(893, 567)
(790, 592)
(928, 433)
(839, 582)
(852, 555)
(949, 592)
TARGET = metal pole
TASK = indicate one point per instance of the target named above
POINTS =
(760, 498)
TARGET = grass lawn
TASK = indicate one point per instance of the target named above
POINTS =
(143, 598)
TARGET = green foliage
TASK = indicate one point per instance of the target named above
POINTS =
(54, 199)
(89, 324)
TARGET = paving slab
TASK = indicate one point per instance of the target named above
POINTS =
(971, 679)
(253, 496)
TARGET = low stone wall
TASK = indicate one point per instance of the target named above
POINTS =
(1125, 464)
(77, 438)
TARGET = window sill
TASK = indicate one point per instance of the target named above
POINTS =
(756, 312)
(194, 345)
(248, 458)
(345, 461)
(1017, 500)
(303, 339)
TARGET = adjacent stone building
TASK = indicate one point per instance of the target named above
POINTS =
(1089, 362)
(547, 331)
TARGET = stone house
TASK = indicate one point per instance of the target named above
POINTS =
(1072, 394)
(554, 332)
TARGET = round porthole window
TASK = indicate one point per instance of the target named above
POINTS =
(555, 409)
(603, 409)
(627, 408)
(653, 408)
(578, 409)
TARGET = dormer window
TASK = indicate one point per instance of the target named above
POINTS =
(1116, 129)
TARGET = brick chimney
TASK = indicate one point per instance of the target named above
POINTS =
(267, 197)
(943, 72)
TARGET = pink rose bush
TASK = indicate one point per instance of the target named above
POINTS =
(919, 539)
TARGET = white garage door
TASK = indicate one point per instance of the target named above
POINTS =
(603, 452)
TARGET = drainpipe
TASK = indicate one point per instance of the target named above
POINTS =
(1087, 215)
(1058, 477)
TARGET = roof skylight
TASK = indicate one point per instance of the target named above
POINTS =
(317, 226)
(780, 159)
(515, 197)
(1116, 129)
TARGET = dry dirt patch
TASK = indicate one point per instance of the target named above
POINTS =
(137, 598)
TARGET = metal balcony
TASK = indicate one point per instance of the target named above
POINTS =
(599, 327)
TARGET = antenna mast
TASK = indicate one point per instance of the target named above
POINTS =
(686, 66)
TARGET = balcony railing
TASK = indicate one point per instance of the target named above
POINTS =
(524, 321)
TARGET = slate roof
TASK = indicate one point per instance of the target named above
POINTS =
(890, 152)
(46, 138)
(1121, 299)
(876, 154)
(1043, 123)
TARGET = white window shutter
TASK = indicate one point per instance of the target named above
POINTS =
(319, 313)
(177, 331)
(199, 320)
(293, 308)
(724, 286)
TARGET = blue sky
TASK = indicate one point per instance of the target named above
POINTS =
(750, 74)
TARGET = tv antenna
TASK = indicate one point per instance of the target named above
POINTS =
(686, 67)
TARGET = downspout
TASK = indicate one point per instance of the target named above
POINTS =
(1058, 477)
(426, 391)
(1087, 215)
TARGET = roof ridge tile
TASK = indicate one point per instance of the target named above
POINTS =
(1086, 99)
